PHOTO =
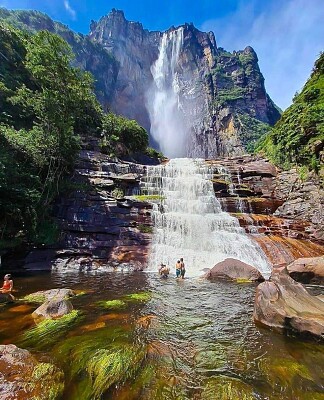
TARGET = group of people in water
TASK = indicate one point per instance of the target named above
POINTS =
(180, 269)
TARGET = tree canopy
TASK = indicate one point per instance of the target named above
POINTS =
(298, 137)
(46, 105)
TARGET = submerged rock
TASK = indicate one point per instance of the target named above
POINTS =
(307, 270)
(23, 377)
(233, 269)
(285, 306)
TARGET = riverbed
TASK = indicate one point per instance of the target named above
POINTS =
(185, 339)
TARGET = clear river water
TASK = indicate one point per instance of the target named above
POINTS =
(173, 339)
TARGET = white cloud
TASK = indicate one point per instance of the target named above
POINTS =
(286, 35)
(69, 9)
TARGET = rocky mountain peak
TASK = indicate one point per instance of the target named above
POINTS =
(218, 95)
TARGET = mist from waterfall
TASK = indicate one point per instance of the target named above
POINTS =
(169, 127)
(190, 223)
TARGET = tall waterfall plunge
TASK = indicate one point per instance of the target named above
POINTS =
(190, 223)
(169, 126)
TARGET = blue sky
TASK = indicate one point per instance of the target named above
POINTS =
(287, 35)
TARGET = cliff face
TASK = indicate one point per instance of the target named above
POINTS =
(280, 211)
(135, 49)
(88, 55)
(195, 98)
(220, 100)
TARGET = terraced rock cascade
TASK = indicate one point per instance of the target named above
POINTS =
(189, 221)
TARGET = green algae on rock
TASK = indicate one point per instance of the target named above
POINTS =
(34, 298)
(103, 359)
(227, 389)
(23, 377)
(50, 379)
(283, 371)
(112, 304)
(140, 296)
(47, 332)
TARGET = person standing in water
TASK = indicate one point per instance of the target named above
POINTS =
(7, 286)
(178, 269)
(182, 268)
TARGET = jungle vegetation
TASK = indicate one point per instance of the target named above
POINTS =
(46, 106)
(297, 139)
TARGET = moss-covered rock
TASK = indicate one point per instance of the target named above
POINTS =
(112, 304)
(138, 297)
(47, 332)
(23, 377)
(103, 360)
(225, 388)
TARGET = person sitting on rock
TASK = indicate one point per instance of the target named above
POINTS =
(164, 270)
(7, 286)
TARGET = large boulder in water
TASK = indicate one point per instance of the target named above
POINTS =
(285, 306)
(55, 302)
(54, 308)
(47, 295)
(235, 270)
(307, 270)
(23, 377)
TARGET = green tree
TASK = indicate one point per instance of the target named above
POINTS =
(122, 136)
(298, 137)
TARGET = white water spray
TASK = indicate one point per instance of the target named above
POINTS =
(168, 123)
(190, 223)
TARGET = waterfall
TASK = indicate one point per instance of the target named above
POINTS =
(168, 122)
(190, 223)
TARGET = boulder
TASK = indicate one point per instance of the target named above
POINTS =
(23, 377)
(46, 295)
(307, 270)
(54, 308)
(285, 305)
(233, 269)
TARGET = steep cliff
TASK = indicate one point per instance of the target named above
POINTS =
(195, 98)
(88, 55)
(185, 89)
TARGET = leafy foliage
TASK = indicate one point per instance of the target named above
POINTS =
(237, 82)
(122, 136)
(298, 137)
(46, 105)
(251, 130)
(88, 55)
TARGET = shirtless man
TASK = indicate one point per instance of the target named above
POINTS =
(178, 269)
(182, 268)
(7, 286)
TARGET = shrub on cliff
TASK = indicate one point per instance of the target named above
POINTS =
(298, 137)
(121, 136)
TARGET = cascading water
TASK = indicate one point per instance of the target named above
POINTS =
(190, 223)
(168, 122)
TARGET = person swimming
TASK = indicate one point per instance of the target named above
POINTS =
(7, 286)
